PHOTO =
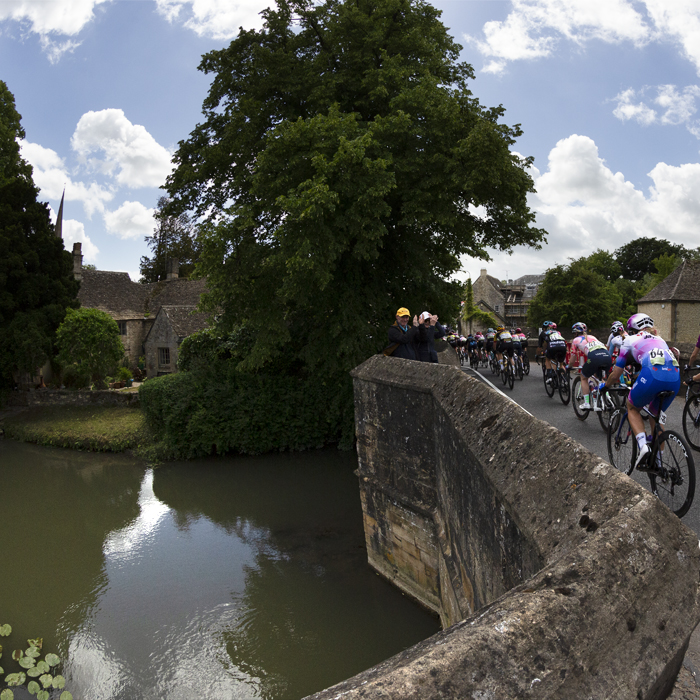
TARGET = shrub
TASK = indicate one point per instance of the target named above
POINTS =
(218, 410)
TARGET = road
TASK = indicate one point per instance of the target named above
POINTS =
(529, 393)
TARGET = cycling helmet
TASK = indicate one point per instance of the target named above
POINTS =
(500, 328)
(579, 327)
(616, 327)
(638, 321)
(552, 326)
(518, 330)
(546, 324)
(490, 330)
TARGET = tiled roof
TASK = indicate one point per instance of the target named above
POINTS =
(115, 293)
(683, 284)
(529, 279)
(185, 320)
(495, 282)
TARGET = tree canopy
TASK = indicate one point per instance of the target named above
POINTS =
(173, 239)
(636, 259)
(36, 280)
(342, 169)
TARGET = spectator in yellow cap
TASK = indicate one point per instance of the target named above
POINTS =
(403, 340)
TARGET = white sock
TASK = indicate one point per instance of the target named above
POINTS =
(587, 399)
(641, 439)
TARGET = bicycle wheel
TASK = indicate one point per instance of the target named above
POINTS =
(691, 422)
(564, 387)
(549, 386)
(504, 375)
(520, 369)
(578, 399)
(511, 375)
(622, 445)
(675, 484)
(526, 363)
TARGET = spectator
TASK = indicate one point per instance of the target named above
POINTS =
(433, 330)
(403, 339)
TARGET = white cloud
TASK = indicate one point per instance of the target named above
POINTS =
(140, 161)
(49, 19)
(679, 21)
(216, 19)
(674, 107)
(51, 177)
(533, 28)
(130, 220)
(584, 206)
(74, 232)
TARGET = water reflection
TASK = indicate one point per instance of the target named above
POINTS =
(229, 578)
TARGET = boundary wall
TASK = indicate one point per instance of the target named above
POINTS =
(68, 397)
(554, 575)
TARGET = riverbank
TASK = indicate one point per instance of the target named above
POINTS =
(87, 428)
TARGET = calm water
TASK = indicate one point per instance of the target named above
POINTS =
(227, 578)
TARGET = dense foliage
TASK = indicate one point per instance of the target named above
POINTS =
(36, 280)
(173, 239)
(604, 286)
(337, 171)
(89, 345)
(212, 407)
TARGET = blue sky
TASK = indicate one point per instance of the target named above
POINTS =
(606, 91)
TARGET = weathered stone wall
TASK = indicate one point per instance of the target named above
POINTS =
(161, 336)
(64, 397)
(560, 577)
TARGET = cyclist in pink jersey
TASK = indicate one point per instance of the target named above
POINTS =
(592, 355)
(659, 372)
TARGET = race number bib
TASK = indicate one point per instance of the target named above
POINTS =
(596, 346)
(555, 336)
(657, 356)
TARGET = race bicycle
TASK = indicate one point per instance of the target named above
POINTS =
(691, 411)
(669, 462)
(604, 400)
(560, 380)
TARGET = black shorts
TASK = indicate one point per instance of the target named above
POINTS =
(480, 344)
(598, 361)
(489, 345)
(517, 348)
(505, 347)
(556, 352)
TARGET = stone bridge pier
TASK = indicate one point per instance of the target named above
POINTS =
(554, 575)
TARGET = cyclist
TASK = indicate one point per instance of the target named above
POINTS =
(592, 355)
(490, 335)
(659, 372)
(479, 336)
(471, 347)
(504, 345)
(554, 348)
(542, 337)
(517, 344)
(616, 338)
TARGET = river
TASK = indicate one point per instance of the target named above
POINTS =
(239, 577)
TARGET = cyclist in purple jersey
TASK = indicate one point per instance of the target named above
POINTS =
(659, 372)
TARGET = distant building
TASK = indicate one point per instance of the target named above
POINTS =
(507, 300)
(135, 307)
(674, 304)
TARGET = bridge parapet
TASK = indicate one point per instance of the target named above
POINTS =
(555, 576)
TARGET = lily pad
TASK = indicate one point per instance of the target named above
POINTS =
(52, 660)
(7, 694)
(65, 695)
(33, 687)
(17, 654)
(27, 662)
(38, 642)
(33, 652)
(5, 630)
(15, 679)
(34, 672)
(46, 680)
(43, 666)
(59, 682)
(42, 695)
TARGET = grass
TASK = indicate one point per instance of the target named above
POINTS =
(90, 428)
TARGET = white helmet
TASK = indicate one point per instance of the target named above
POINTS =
(638, 321)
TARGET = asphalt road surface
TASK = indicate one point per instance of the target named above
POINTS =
(530, 394)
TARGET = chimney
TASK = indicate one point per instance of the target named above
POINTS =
(172, 269)
(483, 273)
(78, 261)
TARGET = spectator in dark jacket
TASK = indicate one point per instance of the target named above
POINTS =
(403, 339)
(433, 330)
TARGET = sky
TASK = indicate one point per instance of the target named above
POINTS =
(606, 93)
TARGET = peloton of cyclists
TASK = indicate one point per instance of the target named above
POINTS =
(589, 353)
(659, 372)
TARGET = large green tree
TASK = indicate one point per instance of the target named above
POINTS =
(36, 280)
(636, 258)
(172, 239)
(342, 169)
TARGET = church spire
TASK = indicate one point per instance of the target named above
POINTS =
(59, 218)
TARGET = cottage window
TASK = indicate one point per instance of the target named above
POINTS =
(497, 307)
(163, 356)
(122, 327)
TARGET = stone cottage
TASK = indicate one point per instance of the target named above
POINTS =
(171, 326)
(135, 306)
(674, 304)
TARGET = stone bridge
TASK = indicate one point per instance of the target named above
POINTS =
(555, 576)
